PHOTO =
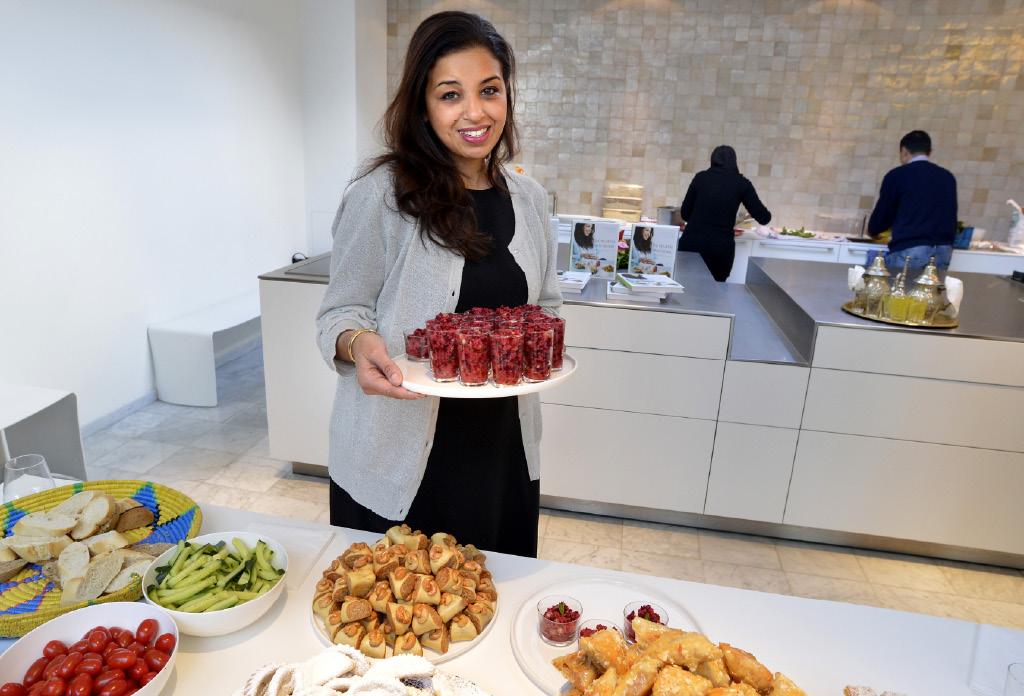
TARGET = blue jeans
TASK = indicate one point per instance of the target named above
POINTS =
(919, 257)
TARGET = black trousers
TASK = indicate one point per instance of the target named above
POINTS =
(717, 252)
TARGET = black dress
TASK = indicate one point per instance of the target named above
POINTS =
(709, 210)
(476, 485)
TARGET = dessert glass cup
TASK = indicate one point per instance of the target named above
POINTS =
(444, 355)
(416, 347)
(537, 348)
(595, 625)
(554, 632)
(558, 348)
(474, 345)
(633, 608)
(506, 357)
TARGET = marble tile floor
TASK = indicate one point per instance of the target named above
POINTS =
(220, 456)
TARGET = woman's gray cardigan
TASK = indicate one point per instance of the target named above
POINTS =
(384, 276)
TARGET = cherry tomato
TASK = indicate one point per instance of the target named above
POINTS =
(138, 648)
(54, 687)
(114, 631)
(98, 640)
(54, 648)
(132, 683)
(90, 666)
(67, 668)
(36, 688)
(136, 671)
(50, 670)
(121, 659)
(110, 675)
(147, 678)
(156, 659)
(166, 643)
(13, 689)
(80, 686)
(35, 671)
(125, 638)
(117, 687)
(147, 631)
(111, 647)
(81, 646)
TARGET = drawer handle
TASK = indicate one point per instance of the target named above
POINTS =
(819, 249)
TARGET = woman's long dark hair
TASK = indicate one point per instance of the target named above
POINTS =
(642, 245)
(723, 158)
(428, 185)
(583, 240)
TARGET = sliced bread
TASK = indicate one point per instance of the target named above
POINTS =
(75, 504)
(36, 549)
(109, 541)
(6, 554)
(44, 523)
(94, 515)
(72, 561)
(130, 555)
(124, 578)
(134, 517)
(8, 569)
(98, 574)
(153, 548)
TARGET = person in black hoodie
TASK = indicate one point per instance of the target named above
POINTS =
(709, 210)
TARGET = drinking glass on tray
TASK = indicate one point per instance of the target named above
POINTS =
(474, 346)
(507, 356)
(416, 347)
(537, 347)
(444, 354)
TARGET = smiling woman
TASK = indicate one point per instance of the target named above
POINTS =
(437, 224)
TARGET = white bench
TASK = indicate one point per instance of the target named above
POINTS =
(187, 350)
(36, 420)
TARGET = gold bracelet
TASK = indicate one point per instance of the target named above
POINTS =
(351, 341)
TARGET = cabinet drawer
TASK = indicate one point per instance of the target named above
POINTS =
(750, 471)
(646, 331)
(857, 253)
(800, 251)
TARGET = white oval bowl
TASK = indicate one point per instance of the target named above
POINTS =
(71, 627)
(223, 621)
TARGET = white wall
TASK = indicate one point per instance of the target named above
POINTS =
(151, 163)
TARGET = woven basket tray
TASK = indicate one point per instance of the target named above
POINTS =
(30, 599)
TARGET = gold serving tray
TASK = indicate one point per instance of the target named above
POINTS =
(941, 321)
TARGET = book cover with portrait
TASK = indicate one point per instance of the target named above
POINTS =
(595, 247)
(652, 249)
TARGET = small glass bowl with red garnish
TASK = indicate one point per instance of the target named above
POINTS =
(474, 346)
(444, 353)
(537, 348)
(506, 357)
(645, 610)
(558, 617)
(416, 348)
(592, 626)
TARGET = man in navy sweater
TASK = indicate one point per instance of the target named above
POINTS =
(917, 202)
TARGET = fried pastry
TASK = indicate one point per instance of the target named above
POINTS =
(384, 562)
(398, 533)
(639, 680)
(382, 544)
(486, 598)
(470, 570)
(333, 623)
(472, 553)
(606, 650)
(324, 584)
(436, 640)
(400, 617)
(426, 590)
(444, 539)
(402, 583)
(425, 619)
(784, 686)
(324, 604)
(355, 551)
(648, 631)
(361, 578)
(417, 542)
(370, 623)
(576, 668)
(684, 649)
(351, 634)
(744, 667)
(468, 594)
(739, 689)
(486, 584)
(675, 681)
(334, 570)
(355, 609)
(441, 557)
(603, 685)
(450, 605)
(480, 614)
(635, 651)
(461, 628)
(388, 631)
(418, 562)
(373, 644)
(715, 672)
(380, 595)
(408, 644)
(449, 580)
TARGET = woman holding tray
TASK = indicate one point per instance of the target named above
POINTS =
(450, 228)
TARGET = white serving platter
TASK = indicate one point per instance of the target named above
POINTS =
(419, 379)
(602, 597)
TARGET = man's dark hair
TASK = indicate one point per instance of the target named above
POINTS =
(917, 143)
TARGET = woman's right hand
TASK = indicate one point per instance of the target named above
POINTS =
(377, 373)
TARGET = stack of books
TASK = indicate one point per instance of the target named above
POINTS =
(573, 282)
(642, 287)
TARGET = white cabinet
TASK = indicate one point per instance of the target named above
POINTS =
(856, 254)
(995, 263)
(739, 263)
(763, 393)
(647, 331)
(803, 250)
(750, 472)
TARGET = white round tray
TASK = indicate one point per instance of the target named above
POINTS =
(418, 378)
(602, 597)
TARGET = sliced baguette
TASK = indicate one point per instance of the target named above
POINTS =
(109, 541)
(98, 574)
(135, 517)
(75, 504)
(94, 515)
(8, 569)
(44, 523)
(124, 578)
(6, 554)
(109, 525)
(72, 561)
(130, 556)
(36, 549)
(154, 549)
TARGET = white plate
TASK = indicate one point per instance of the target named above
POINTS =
(454, 649)
(418, 378)
(602, 597)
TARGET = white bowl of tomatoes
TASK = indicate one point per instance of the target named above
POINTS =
(71, 655)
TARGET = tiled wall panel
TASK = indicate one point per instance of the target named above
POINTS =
(814, 95)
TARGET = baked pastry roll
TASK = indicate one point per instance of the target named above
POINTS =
(436, 640)
(384, 562)
(324, 604)
(373, 645)
(480, 614)
(470, 570)
(577, 669)
(417, 541)
(486, 584)
(408, 644)
(380, 595)
(604, 685)
(472, 553)
(400, 617)
(418, 562)
(673, 680)
(468, 594)
(324, 584)
(370, 623)
(355, 609)
(648, 631)
(441, 557)
(450, 605)
(640, 677)
(400, 551)
(783, 686)
(334, 570)
(333, 623)
(426, 591)
(425, 619)
(715, 672)
(686, 650)
(444, 539)
(486, 598)
(736, 689)
(351, 634)
(744, 667)
(381, 544)
(449, 580)
(606, 650)
(388, 632)
(461, 628)
(635, 651)
(355, 551)
(402, 583)
(398, 533)
(361, 578)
